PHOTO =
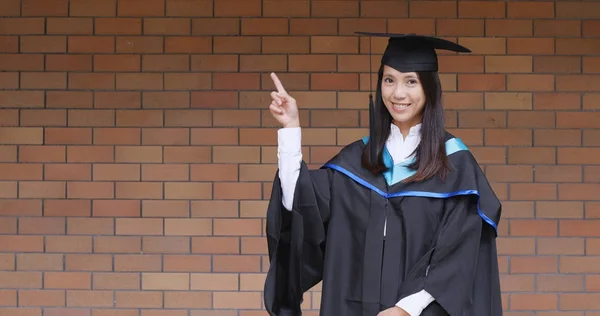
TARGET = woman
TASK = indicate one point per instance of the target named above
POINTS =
(402, 222)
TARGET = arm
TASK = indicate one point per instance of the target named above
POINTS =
(289, 154)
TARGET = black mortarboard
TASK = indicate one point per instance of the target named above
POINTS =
(408, 53)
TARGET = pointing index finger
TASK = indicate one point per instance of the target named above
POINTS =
(277, 83)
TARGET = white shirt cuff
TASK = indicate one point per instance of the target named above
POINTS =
(289, 140)
(415, 304)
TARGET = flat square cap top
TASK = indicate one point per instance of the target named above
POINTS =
(412, 52)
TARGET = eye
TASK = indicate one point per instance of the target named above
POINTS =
(412, 81)
(388, 80)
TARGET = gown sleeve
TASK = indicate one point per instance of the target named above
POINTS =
(460, 263)
(296, 237)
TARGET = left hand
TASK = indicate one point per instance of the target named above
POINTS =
(393, 311)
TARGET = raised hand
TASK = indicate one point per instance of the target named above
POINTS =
(283, 107)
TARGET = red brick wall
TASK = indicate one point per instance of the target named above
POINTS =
(137, 149)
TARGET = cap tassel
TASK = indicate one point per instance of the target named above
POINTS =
(372, 130)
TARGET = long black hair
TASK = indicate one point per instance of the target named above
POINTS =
(430, 154)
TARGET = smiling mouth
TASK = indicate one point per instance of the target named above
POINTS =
(401, 105)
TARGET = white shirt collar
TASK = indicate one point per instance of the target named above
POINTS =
(413, 131)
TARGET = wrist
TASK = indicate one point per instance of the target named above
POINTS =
(292, 124)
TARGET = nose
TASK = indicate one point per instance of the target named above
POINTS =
(400, 92)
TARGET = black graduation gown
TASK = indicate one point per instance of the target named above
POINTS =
(441, 237)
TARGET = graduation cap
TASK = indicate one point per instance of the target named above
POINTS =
(408, 53)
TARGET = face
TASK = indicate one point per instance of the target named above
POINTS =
(403, 96)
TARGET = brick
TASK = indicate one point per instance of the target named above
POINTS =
(433, 9)
(111, 63)
(86, 81)
(508, 27)
(60, 62)
(118, 26)
(312, 26)
(181, 299)
(453, 64)
(165, 281)
(91, 44)
(30, 99)
(549, 137)
(139, 8)
(533, 191)
(577, 120)
(44, 8)
(80, 298)
(489, 82)
(481, 9)
(577, 264)
(215, 245)
(9, 80)
(41, 298)
(184, 44)
(117, 244)
(530, 9)
(165, 245)
(167, 26)
(16, 62)
(116, 281)
(534, 155)
(181, 8)
(244, 8)
(462, 100)
(529, 264)
(577, 82)
(334, 8)
(277, 8)
(590, 27)
(36, 153)
(253, 63)
(187, 263)
(44, 81)
(139, 44)
(577, 10)
(460, 27)
(135, 299)
(509, 173)
(211, 26)
(165, 63)
(534, 46)
(576, 46)
(43, 44)
(556, 101)
(534, 301)
(531, 119)
(508, 100)
(172, 172)
(591, 65)
(93, 8)
(69, 26)
(387, 9)
(557, 64)
(11, 8)
(236, 81)
(21, 26)
(590, 137)
(557, 27)
(559, 246)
